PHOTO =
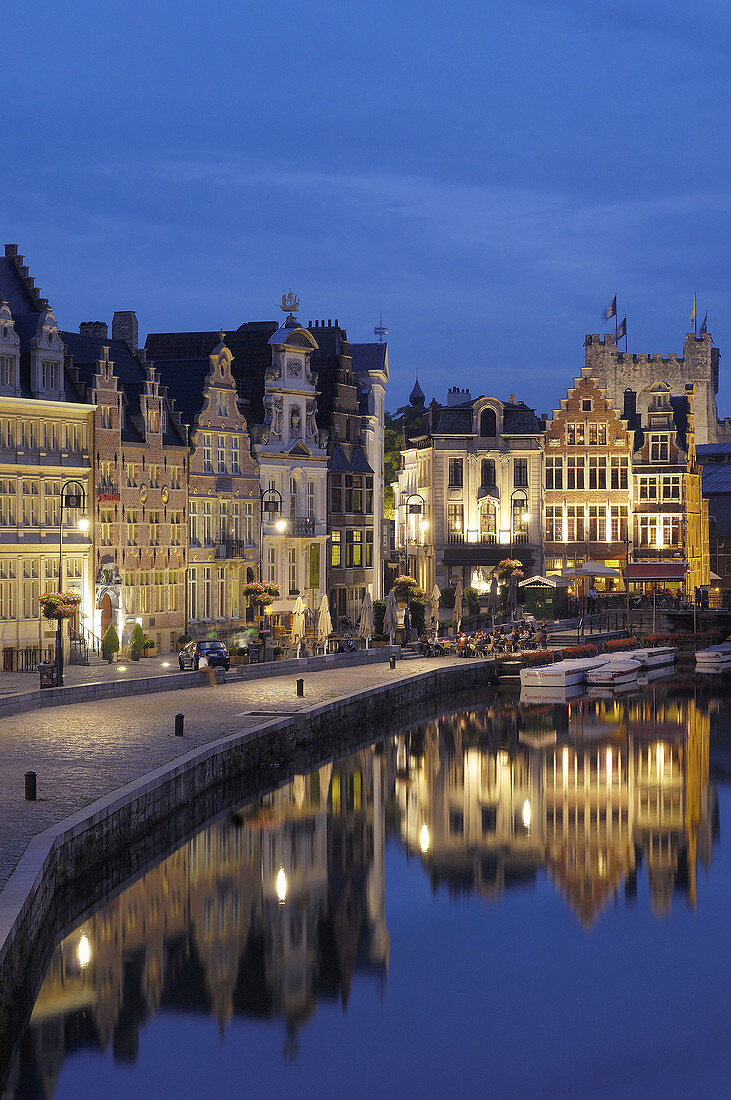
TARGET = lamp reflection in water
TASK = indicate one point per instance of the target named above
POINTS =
(424, 839)
(83, 952)
(526, 814)
(281, 886)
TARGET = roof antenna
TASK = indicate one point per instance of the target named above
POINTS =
(380, 330)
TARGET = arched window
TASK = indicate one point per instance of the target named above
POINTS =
(488, 423)
(487, 479)
(488, 522)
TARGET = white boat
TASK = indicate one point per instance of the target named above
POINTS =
(562, 674)
(714, 658)
(617, 671)
(537, 693)
(656, 657)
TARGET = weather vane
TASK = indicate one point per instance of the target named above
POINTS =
(380, 330)
(290, 302)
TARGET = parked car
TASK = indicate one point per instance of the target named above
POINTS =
(216, 655)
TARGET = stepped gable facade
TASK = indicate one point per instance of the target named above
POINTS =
(46, 439)
(587, 481)
(141, 479)
(223, 489)
(670, 514)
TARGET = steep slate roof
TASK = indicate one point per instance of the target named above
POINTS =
(716, 478)
(83, 354)
(520, 420)
(185, 380)
(453, 420)
(367, 357)
(249, 345)
(705, 449)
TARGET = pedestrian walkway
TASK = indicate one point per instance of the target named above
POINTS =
(87, 750)
(95, 672)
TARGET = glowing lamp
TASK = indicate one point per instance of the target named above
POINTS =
(83, 952)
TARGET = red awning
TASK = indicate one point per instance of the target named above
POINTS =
(657, 571)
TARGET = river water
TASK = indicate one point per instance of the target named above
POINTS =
(522, 899)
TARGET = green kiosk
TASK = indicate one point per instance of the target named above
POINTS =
(546, 597)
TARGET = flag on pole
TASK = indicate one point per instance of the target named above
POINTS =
(611, 310)
(704, 326)
(622, 330)
(692, 314)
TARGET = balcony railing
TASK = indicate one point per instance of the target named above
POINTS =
(301, 527)
(107, 490)
(232, 548)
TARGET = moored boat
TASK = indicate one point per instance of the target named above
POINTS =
(714, 658)
(562, 674)
(655, 657)
(617, 671)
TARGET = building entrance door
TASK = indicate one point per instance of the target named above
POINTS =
(106, 609)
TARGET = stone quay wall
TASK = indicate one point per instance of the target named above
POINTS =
(69, 868)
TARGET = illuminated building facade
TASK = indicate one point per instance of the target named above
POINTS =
(46, 440)
(587, 481)
(469, 490)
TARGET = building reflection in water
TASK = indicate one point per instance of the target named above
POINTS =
(275, 908)
(262, 915)
(591, 791)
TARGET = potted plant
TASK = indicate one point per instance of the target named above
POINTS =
(136, 642)
(183, 641)
(238, 655)
(149, 649)
(110, 644)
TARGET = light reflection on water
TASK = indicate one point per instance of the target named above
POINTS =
(540, 887)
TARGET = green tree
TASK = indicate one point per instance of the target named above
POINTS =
(110, 642)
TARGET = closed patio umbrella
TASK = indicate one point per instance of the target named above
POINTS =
(365, 623)
(436, 593)
(458, 594)
(324, 622)
(513, 595)
(390, 616)
(298, 623)
(493, 603)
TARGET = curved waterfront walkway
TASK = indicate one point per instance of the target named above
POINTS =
(85, 751)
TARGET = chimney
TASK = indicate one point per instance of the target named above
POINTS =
(456, 396)
(511, 399)
(124, 327)
(96, 329)
(11, 250)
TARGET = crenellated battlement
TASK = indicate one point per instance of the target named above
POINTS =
(617, 371)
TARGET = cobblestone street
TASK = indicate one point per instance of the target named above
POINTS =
(84, 751)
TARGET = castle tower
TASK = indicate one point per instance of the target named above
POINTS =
(616, 371)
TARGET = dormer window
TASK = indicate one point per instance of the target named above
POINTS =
(221, 403)
(153, 420)
(7, 370)
(586, 405)
(49, 375)
(488, 423)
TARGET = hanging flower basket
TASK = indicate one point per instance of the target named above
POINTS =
(510, 567)
(59, 605)
(261, 593)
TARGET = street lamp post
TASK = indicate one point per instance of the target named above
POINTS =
(69, 499)
(415, 510)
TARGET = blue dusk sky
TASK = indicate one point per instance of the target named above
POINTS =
(486, 174)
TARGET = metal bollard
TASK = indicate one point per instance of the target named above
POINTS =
(30, 786)
(392, 661)
(300, 687)
(179, 719)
